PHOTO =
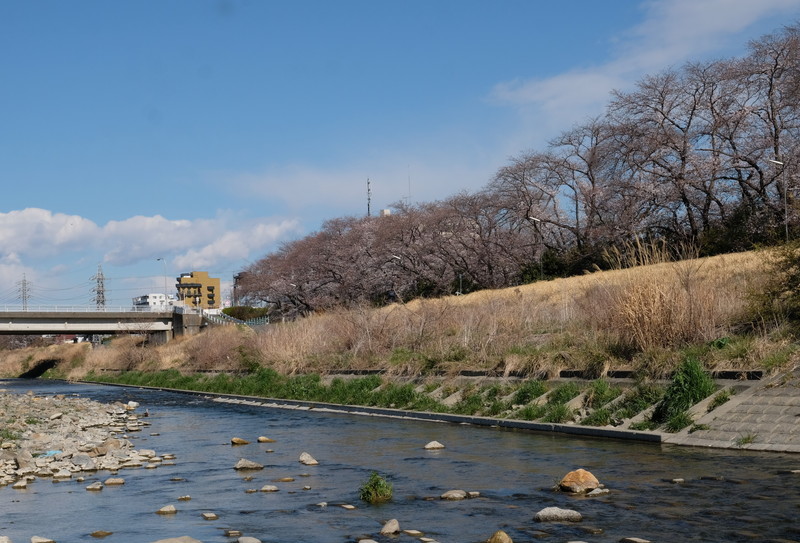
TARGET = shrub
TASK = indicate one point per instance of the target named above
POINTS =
(375, 490)
(690, 384)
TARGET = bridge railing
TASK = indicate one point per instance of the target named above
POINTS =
(89, 309)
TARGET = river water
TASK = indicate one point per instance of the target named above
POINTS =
(727, 495)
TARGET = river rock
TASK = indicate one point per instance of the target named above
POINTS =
(269, 488)
(499, 537)
(37, 539)
(244, 464)
(167, 510)
(182, 539)
(550, 514)
(239, 441)
(454, 495)
(598, 492)
(578, 482)
(434, 445)
(247, 539)
(391, 527)
(210, 516)
(99, 534)
(115, 481)
(307, 459)
(96, 486)
(633, 540)
(265, 439)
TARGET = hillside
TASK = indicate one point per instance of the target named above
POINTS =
(645, 319)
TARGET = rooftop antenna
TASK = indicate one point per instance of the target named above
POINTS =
(369, 198)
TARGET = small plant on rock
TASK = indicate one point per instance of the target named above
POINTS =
(375, 490)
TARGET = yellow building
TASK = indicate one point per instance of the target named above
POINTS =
(196, 289)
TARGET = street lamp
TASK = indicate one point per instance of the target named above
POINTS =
(164, 262)
(785, 200)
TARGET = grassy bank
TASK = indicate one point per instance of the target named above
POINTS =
(592, 403)
(648, 319)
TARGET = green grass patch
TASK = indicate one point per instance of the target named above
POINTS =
(564, 393)
(557, 413)
(598, 417)
(529, 412)
(529, 391)
(375, 490)
(690, 384)
(720, 398)
(600, 392)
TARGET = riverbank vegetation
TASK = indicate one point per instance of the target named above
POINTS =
(668, 326)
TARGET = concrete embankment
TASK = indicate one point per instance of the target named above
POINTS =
(761, 415)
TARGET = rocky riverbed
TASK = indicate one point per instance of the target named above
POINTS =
(64, 437)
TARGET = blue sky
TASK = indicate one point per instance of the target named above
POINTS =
(207, 132)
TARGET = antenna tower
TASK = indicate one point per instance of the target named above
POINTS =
(369, 199)
(24, 292)
(100, 288)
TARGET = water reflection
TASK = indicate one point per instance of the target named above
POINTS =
(726, 496)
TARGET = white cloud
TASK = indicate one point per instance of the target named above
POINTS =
(234, 245)
(672, 33)
(38, 234)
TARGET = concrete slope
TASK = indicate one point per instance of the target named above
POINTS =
(761, 417)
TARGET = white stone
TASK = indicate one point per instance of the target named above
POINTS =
(307, 459)
(391, 527)
(454, 495)
(247, 539)
(557, 514)
(243, 463)
(434, 445)
(269, 488)
(167, 510)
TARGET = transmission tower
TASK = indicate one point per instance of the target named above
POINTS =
(24, 292)
(100, 288)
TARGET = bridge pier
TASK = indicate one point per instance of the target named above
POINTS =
(186, 324)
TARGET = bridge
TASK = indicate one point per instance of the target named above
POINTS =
(161, 325)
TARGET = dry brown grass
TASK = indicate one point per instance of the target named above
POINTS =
(627, 318)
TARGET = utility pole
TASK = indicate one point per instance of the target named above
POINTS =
(100, 288)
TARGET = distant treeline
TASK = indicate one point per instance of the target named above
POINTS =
(705, 155)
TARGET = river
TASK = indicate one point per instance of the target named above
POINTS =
(726, 495)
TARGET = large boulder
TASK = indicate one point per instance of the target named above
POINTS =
(556, 514)
(579, 481)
